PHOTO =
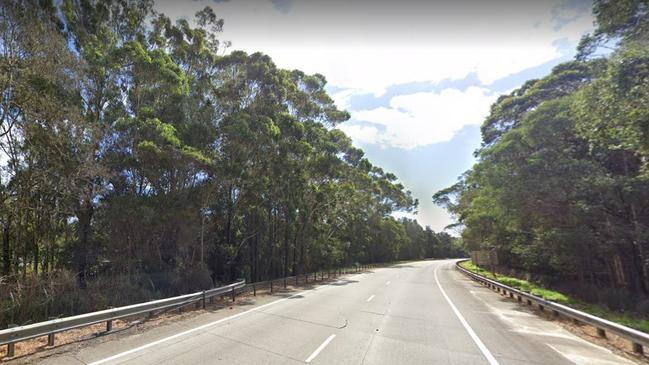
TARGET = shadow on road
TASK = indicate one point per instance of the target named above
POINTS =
(343, 282)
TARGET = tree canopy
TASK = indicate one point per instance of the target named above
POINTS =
(561, 186)
(141, 160)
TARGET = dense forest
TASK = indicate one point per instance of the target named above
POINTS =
(140, 160)
(561, 184)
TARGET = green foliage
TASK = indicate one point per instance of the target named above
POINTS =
(633, 320)
(144, 163)
(560, 187)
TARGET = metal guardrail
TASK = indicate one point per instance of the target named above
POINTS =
(16, 334)
(49, 328)
(637, 338)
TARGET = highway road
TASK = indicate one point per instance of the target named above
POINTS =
(417, 313)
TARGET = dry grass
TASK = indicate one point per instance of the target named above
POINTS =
(30, 350)
(32, 346)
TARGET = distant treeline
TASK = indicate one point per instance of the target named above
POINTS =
(561, 186)
(140, 161)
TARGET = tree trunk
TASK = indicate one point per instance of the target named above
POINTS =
(640, 261)
(36, 253)
(294, 248)
(6, 252)
(286, 241)
(271, 245)
(85, 219)
(255, 251)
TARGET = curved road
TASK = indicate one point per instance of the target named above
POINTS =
(416, 313)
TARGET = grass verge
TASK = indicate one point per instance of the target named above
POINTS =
(632, 320)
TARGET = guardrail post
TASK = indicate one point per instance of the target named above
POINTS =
(233, 294)
(254, 290)
(284, 283)
(203, 299)
(637, 348)
(529, 302)
(541, 307)
(50, 339)
(109, 325)
(11, 349)
(271, 286)
(296, 280)
(306, 278)
(601, 333)
(556, 314)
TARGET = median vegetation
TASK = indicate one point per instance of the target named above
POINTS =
(632, 320)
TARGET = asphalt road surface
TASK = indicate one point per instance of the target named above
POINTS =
(416, 313)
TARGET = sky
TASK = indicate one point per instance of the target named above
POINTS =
(418, 77)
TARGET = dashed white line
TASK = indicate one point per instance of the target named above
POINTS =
(320, 348)
(370, 298)
(485, 351)
(195, 329)
(387, 283)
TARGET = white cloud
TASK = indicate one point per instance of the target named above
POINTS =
(368, 45)
(342, 98)
(420, 119)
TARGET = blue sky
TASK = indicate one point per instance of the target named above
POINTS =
(418, 77)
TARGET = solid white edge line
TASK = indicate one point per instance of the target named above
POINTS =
(320, 348)
(485, 351)
(207, 325)
(370, 298)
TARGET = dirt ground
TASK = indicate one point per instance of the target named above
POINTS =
(32, 350)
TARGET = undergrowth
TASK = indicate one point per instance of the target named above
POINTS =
(628, 319)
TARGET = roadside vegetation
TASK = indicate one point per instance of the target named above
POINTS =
(632, 320)
(560, 189)
(139, 160)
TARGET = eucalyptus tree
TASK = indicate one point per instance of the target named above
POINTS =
(560, 186)
(140, 157)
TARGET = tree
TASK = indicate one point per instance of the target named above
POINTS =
(560, 186)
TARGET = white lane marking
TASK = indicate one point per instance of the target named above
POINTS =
(207, 325)
(370, 298)
(320, 348)
(485, 351)
(387, 283)
(582, 356)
